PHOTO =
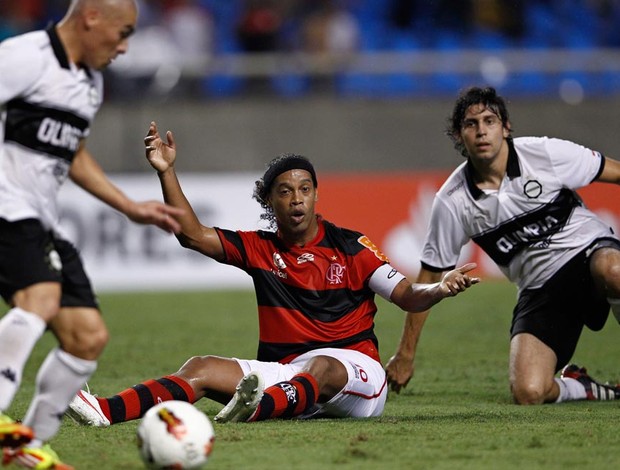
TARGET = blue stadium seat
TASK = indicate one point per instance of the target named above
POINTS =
(482, 38)
(541, 27)
(290, 85)
(446, 83)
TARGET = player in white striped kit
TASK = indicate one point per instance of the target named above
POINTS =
(515, 198)
(50, 89)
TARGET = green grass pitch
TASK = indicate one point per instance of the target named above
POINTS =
(455, 414)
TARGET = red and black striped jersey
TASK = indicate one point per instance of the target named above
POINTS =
(309, 297)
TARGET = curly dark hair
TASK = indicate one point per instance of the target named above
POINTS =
(277, 166)
(487, 97)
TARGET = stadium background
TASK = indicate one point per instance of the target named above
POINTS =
(362, 87)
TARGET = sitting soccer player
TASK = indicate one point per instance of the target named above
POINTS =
(315, 285)
(516, 199)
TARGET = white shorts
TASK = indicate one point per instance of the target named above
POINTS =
(363, 396)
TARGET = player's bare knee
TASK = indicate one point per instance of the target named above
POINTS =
(200, 367)
(85, 344)
(606, 270)
(211, 376)
(612, 279)
(193, 364)
(330, 374)
(527, 393)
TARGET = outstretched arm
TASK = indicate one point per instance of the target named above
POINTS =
(421, 296)
(431, 288)
(162, 156)
(86, 173)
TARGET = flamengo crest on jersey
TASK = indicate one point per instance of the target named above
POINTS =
(47, 106)
(533, 224)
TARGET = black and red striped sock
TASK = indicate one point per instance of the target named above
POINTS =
(288, 399)
(133, 402)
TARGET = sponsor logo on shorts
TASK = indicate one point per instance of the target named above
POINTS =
(360, 373)
(53, 260)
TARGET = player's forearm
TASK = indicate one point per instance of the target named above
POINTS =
(423, 297)
(88, 175)
(171, 188)
(415, 318)
(193, 235)
(414, 322)
(174, 196)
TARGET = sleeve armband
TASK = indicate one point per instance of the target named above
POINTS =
(384, 280)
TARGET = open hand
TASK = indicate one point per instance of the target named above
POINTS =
(458, 280)
(161, 155)
(158, 214)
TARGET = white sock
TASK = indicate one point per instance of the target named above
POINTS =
(19, 332)
(59, 378)
(570, 389)
(615, 307)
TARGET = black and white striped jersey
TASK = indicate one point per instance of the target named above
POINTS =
(532, 225)
(47, 105)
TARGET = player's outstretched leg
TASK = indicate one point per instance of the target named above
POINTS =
(129, 404)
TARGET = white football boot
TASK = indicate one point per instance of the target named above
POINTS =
(85, 409)
(245, 401)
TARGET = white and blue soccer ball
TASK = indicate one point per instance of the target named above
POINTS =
(175, 435)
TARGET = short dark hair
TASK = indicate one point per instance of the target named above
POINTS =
(487, 97)
(277, 166)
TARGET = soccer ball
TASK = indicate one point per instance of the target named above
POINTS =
(175, 435)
